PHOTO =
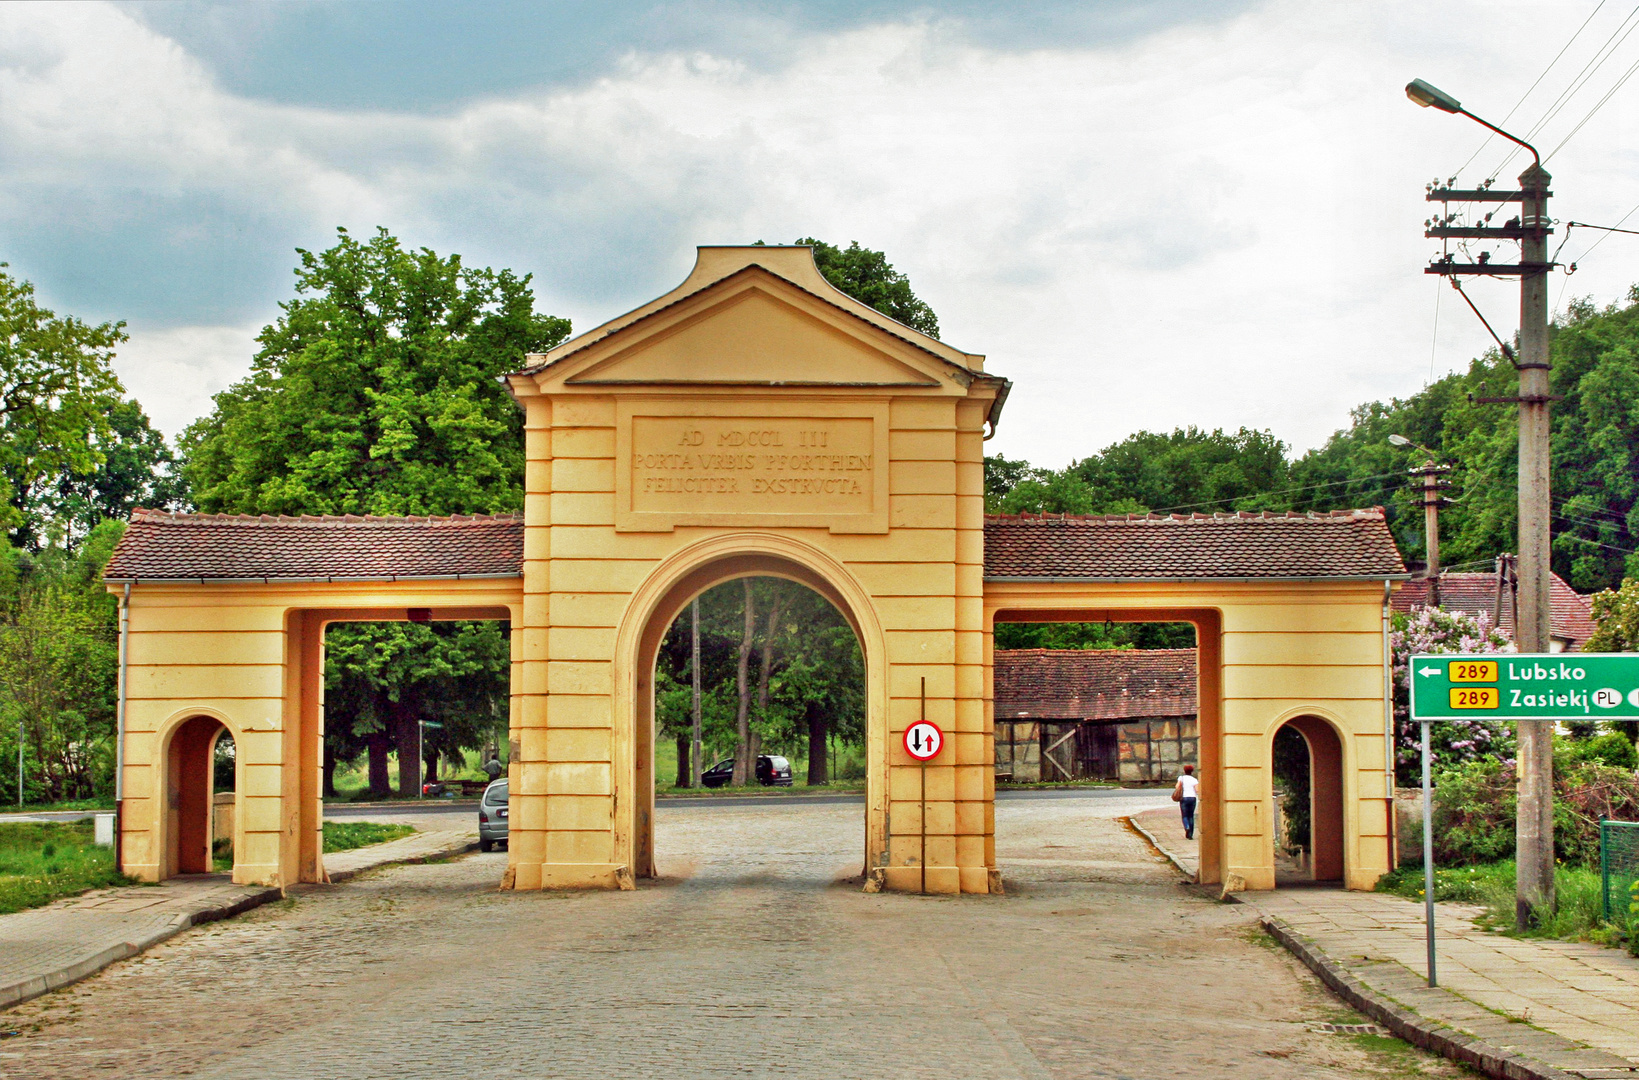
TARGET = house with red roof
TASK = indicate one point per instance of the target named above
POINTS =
(1494, 595)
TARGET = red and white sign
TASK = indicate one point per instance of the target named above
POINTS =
(923, 740)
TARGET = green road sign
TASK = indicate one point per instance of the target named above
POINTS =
(1526, 686)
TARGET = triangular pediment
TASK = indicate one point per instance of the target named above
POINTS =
(755, 330)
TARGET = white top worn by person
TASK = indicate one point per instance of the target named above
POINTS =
(1188, 787)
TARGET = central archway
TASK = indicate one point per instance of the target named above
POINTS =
(662, 597)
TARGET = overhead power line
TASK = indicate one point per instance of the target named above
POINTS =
(1282, 491)
(1590, 114)
(1529, 90)
(1578, 81)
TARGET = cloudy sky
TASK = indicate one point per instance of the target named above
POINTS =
(1146, 214)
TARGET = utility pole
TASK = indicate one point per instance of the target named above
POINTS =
(695, 762)
(1432, 472)
(1534, 820)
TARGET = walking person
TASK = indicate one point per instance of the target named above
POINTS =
(1185, 793)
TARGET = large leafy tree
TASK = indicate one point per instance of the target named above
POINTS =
(58, 658)
(377, 392)
(870, 278)
(57, 388)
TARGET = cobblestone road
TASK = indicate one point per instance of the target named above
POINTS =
(752, 958)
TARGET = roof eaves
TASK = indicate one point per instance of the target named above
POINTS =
(337, 579)
(1106, 579)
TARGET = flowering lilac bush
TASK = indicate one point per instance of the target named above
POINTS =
(1451, 742)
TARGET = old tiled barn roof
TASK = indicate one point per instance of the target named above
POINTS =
(1094, 684)
(230, 547)
(1337, 544)
(1570, 617)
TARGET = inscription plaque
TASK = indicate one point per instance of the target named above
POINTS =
(800, 470)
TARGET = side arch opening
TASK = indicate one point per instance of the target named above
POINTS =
(1306, 770)
(190, 790)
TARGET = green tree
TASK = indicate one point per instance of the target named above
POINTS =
(377, 392)
(868, 277)
(135, 469)
(1616, 613)
(58, 660)
(57, 385)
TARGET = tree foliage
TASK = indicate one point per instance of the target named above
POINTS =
(377, 392)
(868, 277)
(1595, 352)
(814, 687)
(58, 662)
(57, 387)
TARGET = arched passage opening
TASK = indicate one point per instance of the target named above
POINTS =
(1158, 650)
(190, 790)
(673, 602)
(1306, 764)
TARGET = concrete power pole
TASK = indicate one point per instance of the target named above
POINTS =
(695, 764)
(1431, 472)
(1534, 821)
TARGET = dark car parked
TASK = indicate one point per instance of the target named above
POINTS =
(772, 771)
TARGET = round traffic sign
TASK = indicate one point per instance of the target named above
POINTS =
(923, 740)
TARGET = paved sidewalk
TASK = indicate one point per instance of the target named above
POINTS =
(1512, 1007)
(1164, 828)
(1571, 1006)
(45, 948)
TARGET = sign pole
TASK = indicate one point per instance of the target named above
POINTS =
(1428, 855)
(923, 857)
(923, 741)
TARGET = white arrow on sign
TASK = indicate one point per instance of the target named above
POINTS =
(1429, 671)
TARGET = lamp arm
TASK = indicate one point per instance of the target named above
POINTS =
(1504, 134)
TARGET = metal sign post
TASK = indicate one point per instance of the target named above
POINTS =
(923, 741)
(1428, 856)
(1512, 686)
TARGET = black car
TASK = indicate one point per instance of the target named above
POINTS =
(772, 771)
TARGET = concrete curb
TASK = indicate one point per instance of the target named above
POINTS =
(33, 987)
(1189, 875)
(461, 848)
(1417, 1030)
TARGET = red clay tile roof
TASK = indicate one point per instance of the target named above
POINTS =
(1094, 684)
(1570, 617)
(216, 547)
(1336, 544)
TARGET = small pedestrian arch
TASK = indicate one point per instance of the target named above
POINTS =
(189, 756)
(1327, 778)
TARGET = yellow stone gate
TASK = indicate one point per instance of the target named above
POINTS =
(752, 421)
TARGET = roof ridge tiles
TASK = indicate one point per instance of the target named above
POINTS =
(167, 517)
(1371, 513)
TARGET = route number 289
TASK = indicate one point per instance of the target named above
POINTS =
(1474, 697)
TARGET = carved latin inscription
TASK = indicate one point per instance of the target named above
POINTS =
(748, 465)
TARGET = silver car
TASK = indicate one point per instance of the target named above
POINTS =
(492, 816)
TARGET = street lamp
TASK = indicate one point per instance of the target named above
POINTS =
(1425, 95)
(1534, 821)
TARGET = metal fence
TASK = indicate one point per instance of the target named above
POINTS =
(1618, 869)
